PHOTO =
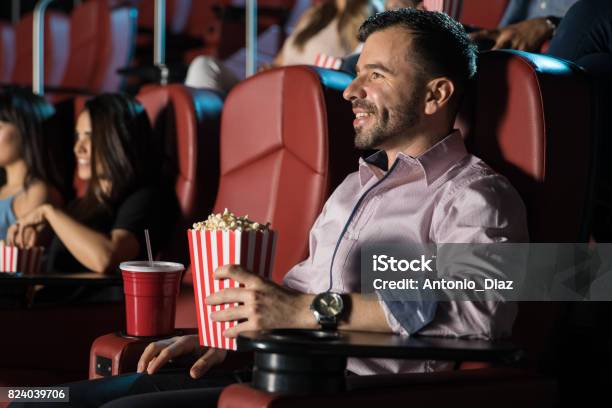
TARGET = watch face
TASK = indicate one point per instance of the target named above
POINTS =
(328, 304)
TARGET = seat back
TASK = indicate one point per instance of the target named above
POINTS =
(286, 142)
(177, 14)
(187, 123)
(85, 30)
(517, 119)
(7, 52)
(482, 13)
(57, 40)
(118, 30)
(201, 17)
(102, 40)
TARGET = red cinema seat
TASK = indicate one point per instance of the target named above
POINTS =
(516, 117)
(187, 120)
(102, 39)
(281, 157)
(482, 13)
(7, 52)
(477, 13)
(85, 29)
(177, 15)
(117, 49)
(57, 35)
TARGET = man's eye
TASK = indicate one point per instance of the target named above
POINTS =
(376, 75)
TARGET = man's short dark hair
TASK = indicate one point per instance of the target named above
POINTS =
(440, 42)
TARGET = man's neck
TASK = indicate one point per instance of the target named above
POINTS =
(415, 145)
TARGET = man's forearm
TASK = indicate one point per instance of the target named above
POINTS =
(360, 313)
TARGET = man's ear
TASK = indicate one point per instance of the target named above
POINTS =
(439, 93)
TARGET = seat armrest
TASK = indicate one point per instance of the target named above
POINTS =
(113, 354)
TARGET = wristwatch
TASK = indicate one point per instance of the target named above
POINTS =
(327, 307)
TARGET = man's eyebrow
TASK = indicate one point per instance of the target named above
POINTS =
(379, 67)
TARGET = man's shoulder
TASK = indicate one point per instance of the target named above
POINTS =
(474, 176)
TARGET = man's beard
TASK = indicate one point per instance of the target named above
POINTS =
(385, 128)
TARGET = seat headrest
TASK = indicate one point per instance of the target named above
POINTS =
(57, 35)
(286, 141)
(529, 117)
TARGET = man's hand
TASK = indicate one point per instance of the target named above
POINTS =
(528, 35)
(157, 354)
(262, 303)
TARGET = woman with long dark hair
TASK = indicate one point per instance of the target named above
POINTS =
(117, 159)
(27, 179)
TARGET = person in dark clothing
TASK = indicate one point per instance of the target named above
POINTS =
(118, 159)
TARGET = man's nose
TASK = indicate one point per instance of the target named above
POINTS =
(354, 90)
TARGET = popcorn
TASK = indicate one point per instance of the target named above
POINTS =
(225, 239)
(228, 221)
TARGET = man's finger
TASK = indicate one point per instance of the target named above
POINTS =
(237, 273)
(148, 354)
(229, 295)
(239, 328)
(165, 355)
(204, 363)
(230, 314)
(152, 350)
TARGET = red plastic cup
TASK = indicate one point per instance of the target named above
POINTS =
(150, 291)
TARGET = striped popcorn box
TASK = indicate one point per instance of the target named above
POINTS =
(254, 250)
(326, 61)
(14, 259)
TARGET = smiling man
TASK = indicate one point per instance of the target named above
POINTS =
(421, 187)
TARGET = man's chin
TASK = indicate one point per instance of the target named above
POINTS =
(362, 142)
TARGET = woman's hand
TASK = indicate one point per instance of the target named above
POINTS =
(24, 233)
(157, 354)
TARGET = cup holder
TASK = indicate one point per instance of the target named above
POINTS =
(302, 335)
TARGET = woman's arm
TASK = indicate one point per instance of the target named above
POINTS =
(97, 251)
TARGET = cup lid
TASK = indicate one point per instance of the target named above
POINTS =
(146, 266)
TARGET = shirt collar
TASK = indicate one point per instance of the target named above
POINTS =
(434, 162)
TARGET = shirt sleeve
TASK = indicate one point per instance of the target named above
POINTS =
(486, 210)
(406, 317)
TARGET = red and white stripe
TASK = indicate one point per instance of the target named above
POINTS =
(211, 249)
(26, 261)
(326, 61)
